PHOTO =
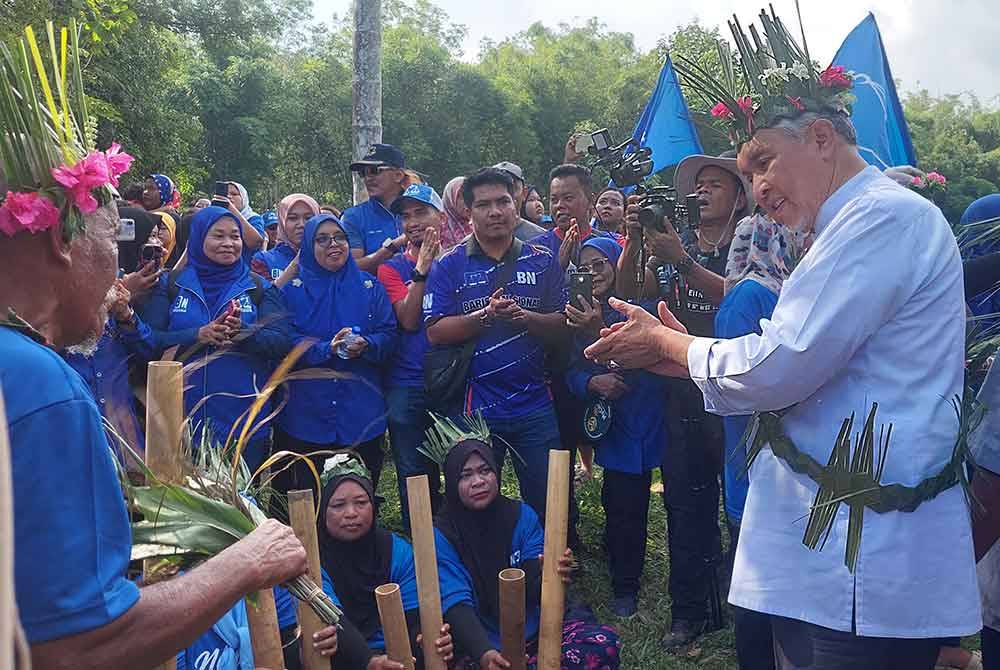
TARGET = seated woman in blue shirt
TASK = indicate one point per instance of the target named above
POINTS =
(479, 533)
(634, 443)
(233, 321)
(357, 556)
(347, 314)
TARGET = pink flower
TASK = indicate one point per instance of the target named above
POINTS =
(720, 111)
(936, 178)
(918, 181)
(80, 179)
(746, 105)
(796, 103)
(27, 211)
(118, 163)
(835, 77)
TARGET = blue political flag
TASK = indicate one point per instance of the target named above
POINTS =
(883, 137)
(665, 125)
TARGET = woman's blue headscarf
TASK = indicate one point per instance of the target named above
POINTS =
(215, 279)
(165, 186)
(607, 246)
(338, 299)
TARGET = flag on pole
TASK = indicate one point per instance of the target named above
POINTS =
(665, 125)
(883, 137)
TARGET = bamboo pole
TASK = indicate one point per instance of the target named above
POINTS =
(164, 423)
(512, 617)
(553, 589)
(264, 633)
(302, 514)
(397, 636)
(425, 560)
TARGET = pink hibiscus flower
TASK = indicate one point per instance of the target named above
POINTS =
(118, 163)
(936, 178)
(27, 211)
(746, 104)
(80, 179)
(720, 111)
(835, 76)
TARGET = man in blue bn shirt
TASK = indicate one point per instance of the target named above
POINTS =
(511, 321)
(375, 233)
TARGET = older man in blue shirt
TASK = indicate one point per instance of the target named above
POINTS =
(72, 535)
(511, 321)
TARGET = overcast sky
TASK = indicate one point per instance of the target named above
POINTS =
(941, 45)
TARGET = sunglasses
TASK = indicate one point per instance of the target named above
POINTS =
(595, 267)
(373, 170)
(324, 241)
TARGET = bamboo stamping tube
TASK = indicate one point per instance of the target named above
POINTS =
(425, 560)
(553, 589)
(512, 617)
(164, 421)
(302, 514)
(397, 636)
(264, 633)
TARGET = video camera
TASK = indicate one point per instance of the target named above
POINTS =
(629, 164)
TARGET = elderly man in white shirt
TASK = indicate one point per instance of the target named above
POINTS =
(874, 313)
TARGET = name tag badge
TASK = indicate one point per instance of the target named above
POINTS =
(126, 230)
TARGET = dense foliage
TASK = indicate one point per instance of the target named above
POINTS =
(256, 91)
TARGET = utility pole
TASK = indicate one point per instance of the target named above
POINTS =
(366, 116)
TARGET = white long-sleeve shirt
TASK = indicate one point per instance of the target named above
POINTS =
(873, 313)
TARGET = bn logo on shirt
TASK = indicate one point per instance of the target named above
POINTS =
(527, 278)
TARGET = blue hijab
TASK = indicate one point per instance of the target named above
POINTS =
(337, 299)
(611, 250)
(165, 186)
(216, 280)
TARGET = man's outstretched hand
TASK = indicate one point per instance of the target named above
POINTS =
(643, 341)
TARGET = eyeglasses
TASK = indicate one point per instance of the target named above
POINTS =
(596, 267)
(373, 170)
(325, 241)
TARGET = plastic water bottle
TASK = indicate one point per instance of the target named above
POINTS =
(352, 338)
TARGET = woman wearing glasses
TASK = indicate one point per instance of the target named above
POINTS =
(347, 314)
(626, 419)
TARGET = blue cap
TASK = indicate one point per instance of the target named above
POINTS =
(421, 193)
(270, 218)
(380, 154)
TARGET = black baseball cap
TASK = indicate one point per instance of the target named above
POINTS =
(380, 154)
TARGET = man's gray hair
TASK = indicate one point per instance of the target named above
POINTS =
(797, 127)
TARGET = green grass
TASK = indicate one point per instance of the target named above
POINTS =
(641, 635)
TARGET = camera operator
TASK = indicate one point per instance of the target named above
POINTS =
(687, 271)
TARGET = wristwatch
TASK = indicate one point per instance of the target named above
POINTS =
(417, 276)
(390, 245)
(684, 265)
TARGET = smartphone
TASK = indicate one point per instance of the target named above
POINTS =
(126, 230)
(581, 289)
(221, 195)
(151, 253)
(594, 143)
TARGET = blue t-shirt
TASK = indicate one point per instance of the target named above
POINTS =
(67, 498)
(402, 572)
(506, 375)
(271, 263)
(407, 367)
(739, 314)
(552, 241)
(370, 224)
(527, 543)
(227, 643)
(639, 436)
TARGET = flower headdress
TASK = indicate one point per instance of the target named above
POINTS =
(340, 465)
(773, 78)
(444, 434)
(47, 141)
